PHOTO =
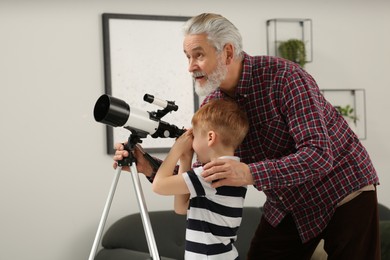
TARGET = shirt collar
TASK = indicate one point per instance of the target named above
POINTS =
(230, 157)
(243, 85)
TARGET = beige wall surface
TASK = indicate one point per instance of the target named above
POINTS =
(55, 173)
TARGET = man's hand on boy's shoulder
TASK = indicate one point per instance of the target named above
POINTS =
(227, 172)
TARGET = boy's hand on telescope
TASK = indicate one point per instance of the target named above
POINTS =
(183, 144)
(143, 166)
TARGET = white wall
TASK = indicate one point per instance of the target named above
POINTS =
(55, 174)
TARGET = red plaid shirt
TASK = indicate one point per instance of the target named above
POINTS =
(300, 150)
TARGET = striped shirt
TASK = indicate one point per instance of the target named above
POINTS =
(213, 218)
(299, 149)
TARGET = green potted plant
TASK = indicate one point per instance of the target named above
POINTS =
(347, 112)
(293, 50)
(350, 116)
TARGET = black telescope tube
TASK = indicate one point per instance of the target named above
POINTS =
(111, 111)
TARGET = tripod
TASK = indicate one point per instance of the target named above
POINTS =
(130, 161)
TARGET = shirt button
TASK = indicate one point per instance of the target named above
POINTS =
(264, 187)
(253, 157)
(281, 198)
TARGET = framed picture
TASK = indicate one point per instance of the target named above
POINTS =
(351, 103)
(143, 54)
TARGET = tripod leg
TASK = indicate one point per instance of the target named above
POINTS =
(105, 214)
(144, 214)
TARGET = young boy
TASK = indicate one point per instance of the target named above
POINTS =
(213, 215)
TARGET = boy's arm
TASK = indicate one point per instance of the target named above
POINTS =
(182, 200)
(165, 183)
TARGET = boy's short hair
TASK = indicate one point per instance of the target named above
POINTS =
(224, 117)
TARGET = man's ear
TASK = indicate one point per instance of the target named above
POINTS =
(211, 138)
(229, 52)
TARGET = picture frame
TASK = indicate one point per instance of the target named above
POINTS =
(355, 101)
(143, 55)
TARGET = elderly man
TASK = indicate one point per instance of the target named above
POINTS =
(318, 178)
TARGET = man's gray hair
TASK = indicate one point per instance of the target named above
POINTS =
(219, 30)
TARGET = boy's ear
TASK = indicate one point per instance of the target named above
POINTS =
(211, 137)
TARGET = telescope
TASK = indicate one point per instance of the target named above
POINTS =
(117, 113)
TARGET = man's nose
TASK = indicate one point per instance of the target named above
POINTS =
(192, 65)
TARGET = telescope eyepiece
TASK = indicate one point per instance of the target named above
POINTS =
(149, 98)
(167, 105)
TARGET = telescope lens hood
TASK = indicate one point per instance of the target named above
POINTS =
(111, 111)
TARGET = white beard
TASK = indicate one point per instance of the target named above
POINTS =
(213, 80)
